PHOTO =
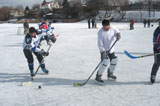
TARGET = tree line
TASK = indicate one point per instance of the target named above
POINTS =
(74, 10)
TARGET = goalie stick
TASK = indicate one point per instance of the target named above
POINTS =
(85, 82)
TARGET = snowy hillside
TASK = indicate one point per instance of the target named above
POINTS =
(136, 15)
(72, 59)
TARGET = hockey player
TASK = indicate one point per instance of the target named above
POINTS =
(44, 33)
(106, 37)
(30, 46)
(50, 34)
(156, 49)
(41, 24)
(26, 26)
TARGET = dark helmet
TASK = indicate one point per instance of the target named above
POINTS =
(105, 22)
(32, 30)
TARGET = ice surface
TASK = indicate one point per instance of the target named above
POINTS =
(72, 59)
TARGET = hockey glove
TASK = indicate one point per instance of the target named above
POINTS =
(118, 37)
(104, 55)
(52, 38)
(44, 53)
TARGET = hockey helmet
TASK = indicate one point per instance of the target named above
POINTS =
(44, 26)
(32, 30)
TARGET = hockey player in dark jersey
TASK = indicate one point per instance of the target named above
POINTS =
(156, 49)
(30, 47)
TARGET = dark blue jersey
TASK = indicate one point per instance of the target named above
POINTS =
(156, 39)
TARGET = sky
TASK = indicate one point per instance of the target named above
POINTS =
(25, 3)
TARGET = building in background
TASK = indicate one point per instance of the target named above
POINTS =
(16, 14)
(49, 6)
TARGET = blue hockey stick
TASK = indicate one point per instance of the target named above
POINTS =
(135, 57)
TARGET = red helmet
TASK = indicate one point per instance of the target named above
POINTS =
(44, 26)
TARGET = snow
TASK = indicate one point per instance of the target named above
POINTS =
(72, 59)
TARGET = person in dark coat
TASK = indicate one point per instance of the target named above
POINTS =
(26, 26)
(156, 49)
(89, 23)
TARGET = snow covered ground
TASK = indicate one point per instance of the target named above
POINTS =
(72, 59)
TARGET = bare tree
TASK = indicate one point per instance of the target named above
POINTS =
(4, 13)
(108, 7)
(124, 5)
(60, 2)
(93, 6)
(26, 12)
(19, 8)
(35, 12)
(66, 8)
(36, 7)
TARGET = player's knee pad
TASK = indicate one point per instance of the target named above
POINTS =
(114, 61)
(113, 64)
(103, 66)
(105, 62)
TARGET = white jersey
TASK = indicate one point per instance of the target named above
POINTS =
(47, 32)
(31, 43)
(107, 38)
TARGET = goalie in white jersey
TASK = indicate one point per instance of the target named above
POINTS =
(107, 35)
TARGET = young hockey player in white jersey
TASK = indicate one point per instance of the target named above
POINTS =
(30, 47)
(46, 33)
(107, 35)
(50, 34)
(42, 31)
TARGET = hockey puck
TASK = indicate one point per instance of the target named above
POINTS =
(39, 87)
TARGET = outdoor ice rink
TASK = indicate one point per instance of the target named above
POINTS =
(72, 59)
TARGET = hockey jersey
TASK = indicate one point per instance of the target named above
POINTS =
(107, 38)
(31, 43)
(156, 39)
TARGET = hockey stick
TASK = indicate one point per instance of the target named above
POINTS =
(135, 57)
(41, 61)
(84, 83)
(29, 82)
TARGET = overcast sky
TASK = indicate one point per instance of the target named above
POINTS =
(25, 3)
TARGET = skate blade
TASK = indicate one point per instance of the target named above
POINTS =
(111, 79)
(99, 83)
